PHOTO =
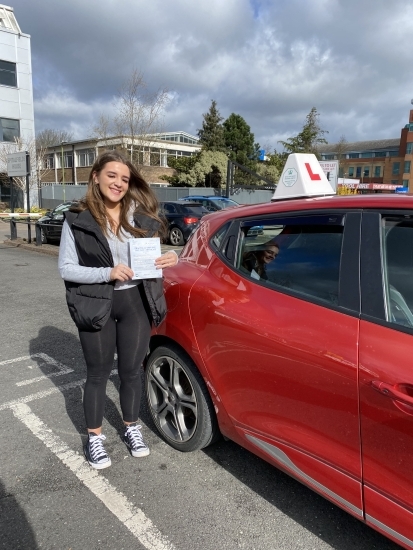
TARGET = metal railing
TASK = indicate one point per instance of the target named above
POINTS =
(29, 222)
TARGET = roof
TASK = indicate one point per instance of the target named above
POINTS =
(359, 146)
(8, 20)
(301, 206)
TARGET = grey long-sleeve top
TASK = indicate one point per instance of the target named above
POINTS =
(69, 267)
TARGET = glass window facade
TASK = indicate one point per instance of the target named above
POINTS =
(395, 169)
(8, 74)
(406, 167)
(9, 129)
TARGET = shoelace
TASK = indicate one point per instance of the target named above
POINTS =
(96, 448)
(135, 436)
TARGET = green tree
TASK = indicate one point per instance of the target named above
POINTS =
(205, 169)
(310, 137)
(211, 135)
(239, 141)
(277, 160)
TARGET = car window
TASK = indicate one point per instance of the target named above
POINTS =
(61, 208)
(397, 253)
(300, 254)
(219, 235)
(170, 208)
(195, 210)
(223, 203)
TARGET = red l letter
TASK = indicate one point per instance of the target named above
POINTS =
(313, 177)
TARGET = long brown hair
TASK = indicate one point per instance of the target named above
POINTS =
(139, 196)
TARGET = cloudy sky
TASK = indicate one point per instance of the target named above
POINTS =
(270, 61)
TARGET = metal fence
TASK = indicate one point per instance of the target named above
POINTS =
(53, 195)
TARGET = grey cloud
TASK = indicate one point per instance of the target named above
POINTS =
(268, 60)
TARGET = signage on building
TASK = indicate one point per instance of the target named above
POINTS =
(18, 164)
(373, 186)
(330, 169)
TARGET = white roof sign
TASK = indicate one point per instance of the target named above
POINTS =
(302, 177)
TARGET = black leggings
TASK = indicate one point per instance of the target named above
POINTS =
(127, 331)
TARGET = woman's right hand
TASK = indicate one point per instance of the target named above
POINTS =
(121, 272)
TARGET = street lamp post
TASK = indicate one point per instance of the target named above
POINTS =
(63, 173)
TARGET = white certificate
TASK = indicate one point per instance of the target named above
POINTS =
(143, 253)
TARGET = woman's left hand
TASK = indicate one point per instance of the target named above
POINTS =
(168, 259)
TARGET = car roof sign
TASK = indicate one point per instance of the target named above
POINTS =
(302, 177)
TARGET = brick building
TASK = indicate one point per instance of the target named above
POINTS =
(70, 162)
(379, 165)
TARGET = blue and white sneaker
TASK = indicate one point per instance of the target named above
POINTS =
(134, 441)
(95, 451)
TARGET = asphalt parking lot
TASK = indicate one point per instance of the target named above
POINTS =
(220, 498)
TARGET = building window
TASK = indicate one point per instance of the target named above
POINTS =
(68, 160)
(396, 169)
(85, 157)
(351, 172)
(164, 159)
(9, 129)
(358, 171)
(366, 172)
(377, 171)
(8, 74)
(393, 153)
(328, 157)
(406, 167)
(380, 154)
(354, 155)
(409, 148)
(367, 155)
(395, 182)
(48, 162)
(405, 183)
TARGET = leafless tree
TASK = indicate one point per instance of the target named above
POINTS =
(17, 145)
(103, 129)
(38, 150)
(139, 113)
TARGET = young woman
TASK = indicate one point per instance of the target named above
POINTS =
(112, 311)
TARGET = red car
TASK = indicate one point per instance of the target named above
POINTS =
(297, 345)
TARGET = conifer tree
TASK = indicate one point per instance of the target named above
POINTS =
(211, 135)
(310, 137)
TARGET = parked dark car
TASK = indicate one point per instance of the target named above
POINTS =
(211, 203)
(215, 204)
(51, 223)
(182, 218)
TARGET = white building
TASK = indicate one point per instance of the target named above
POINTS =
(16, 90)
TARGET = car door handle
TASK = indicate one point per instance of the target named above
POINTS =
(390, 391)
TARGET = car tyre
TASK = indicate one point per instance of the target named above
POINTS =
(179, 401)
(176, 237)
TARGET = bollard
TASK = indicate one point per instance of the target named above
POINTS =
(29, 230)
(38, 235)
(13, 230)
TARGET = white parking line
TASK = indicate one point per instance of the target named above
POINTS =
(61, 369)
(133, 518)
(45, 393)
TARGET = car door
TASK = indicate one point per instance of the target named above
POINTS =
(281, 349)
(386, 372)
